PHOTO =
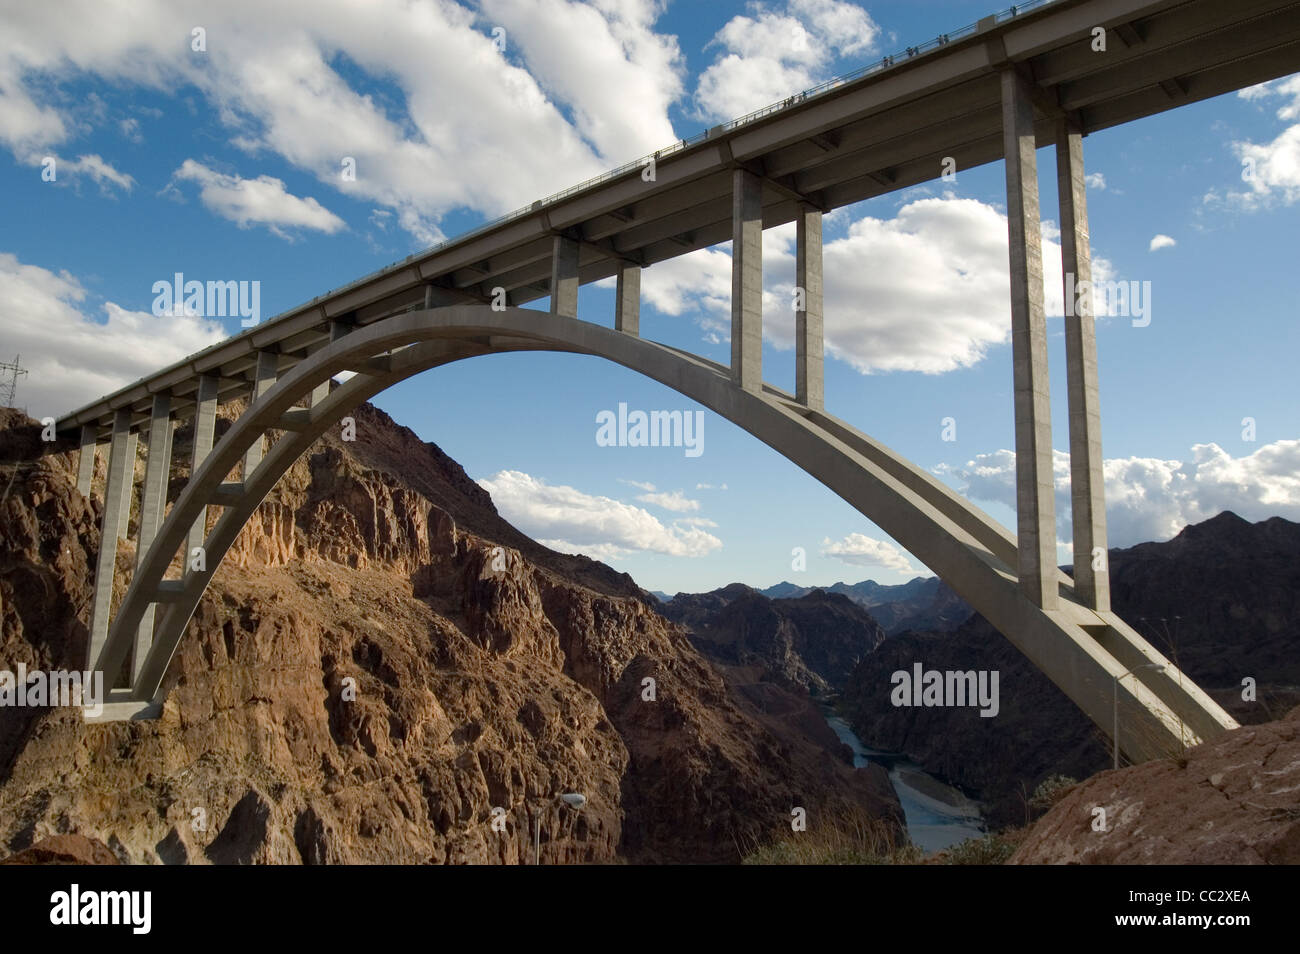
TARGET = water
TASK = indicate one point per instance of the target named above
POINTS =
(938, 815)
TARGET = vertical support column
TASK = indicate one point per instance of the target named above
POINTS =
(747, 280)
(1035, 508)
(128, 485)
(564, 277)
(152, 504)
(1087, 483)
(809, 361)
(108, 534)
(263, 380)
(205, 426)
(627, 300)
(337, 330)
(86, 459)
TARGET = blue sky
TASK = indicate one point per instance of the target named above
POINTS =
(224, 163)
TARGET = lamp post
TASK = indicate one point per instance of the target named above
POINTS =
(1115, 712)
(574, 800)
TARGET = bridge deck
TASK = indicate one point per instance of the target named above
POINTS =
(875, 134)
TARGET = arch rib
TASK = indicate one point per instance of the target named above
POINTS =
(1081, 650)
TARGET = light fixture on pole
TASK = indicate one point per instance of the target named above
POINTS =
(574, 800)
(1115, 711)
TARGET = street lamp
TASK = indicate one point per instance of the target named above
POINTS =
(1115, 729)
(574, 800)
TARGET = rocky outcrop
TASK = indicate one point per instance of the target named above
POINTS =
(383, 670)
(1232, 801)
(812, 642)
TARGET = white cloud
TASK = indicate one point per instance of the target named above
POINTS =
(710, 487)
(1161, 241)
(856, 549)
(1270, 170)
(556, 514)
(778, 52)
(639, 485)
(1095, 180)
(73, 359)
(619, 79)
(1153, 499)
(93, 167)
(445, 122)
(260, 201)
(674, 500)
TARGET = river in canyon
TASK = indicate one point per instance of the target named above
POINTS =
(938, 815)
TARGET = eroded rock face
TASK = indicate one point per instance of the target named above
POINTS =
(379, 664)
(1232, 801)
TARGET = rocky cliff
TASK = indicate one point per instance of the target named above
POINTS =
(1231, 801)
(811, 642)
(381, 667)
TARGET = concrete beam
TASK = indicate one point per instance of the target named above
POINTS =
(1035, 509)
(128, 485)
(564, 277)
(1087, 482)
(205, 426)
(337, 330)
(263, 379)
(152, 505)
(809, 358)
(114, 499)
(627, 300)
(86, 459)
(747, 280)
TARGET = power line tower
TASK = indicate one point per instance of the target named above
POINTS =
(10, 387)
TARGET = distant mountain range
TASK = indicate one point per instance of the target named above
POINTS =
(922, 603)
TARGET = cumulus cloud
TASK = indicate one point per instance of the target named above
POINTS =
(568, 519)
(1095, 180)
(674, 500)
(314, 81)
(778, 51)
(94, 168)
(1161, 241)
(936, 277)
(1153, 499)
(73, 358)
(1270, 170)
(857, 549)
(260, 201)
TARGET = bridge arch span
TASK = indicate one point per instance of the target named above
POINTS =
(1082, 650)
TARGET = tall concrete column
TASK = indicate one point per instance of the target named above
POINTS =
(809, 361)
(747, 280)
(337, 330)
(205, 426)
(564, 277)
(1087, 483)
(114, 499)
(627, 300)
(86, 459)
(152, 504)
(1035, 509)
(263, 381)
(128, 485)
